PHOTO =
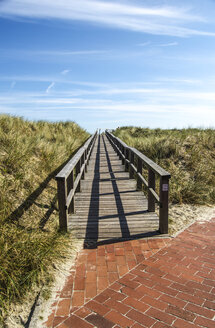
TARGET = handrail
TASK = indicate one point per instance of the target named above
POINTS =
(69, 180)
(128, 156)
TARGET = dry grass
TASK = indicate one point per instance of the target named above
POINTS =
(188, 154)
(30, 156)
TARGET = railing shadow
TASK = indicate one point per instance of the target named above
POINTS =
(91, 236)
(30, 200)
(92, 230)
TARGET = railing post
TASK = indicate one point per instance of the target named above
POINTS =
(126, 157)
(62, 195)
(163, 213)
(139, 170)
(85, 157)
(123, 152)
(70, 185)
(82, 162)
(131, 157)
(78, 170)
(151, 184)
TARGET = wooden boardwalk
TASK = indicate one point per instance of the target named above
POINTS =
(109, 207)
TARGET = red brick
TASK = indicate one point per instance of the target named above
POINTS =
(91, 277)
(63, 307)
(207, 296)
(129, 255)
(107, 293)
(119, 307)
(111, 257)
(80, 270)
(110, 248)
(99, 322)
(101, 260)
(120, 260)
(90, 290)
(155, 271)
(141, 274)
(191, 277)
(101, 271)
(119, 251)
(57, 321)
(119, 319)
(209, 282)
(145, 282)
(82, 312)
(172, 300)
(166, 290)
(182, 288)
(111, 267)
(131, 264)
(190, 298)
(101, 251)
(91, 256)
(196, 285)
(140, 306)
(116, 286)
(49, 322)
(131, 292)
(75, 321)
(209, 305)
(151, 292)
(204, 322)
(157, 314)
(112, 276)
(97, 307)
(181, 313)
(179, 323)
(200, 310)
(79, 283)
(122, 269)
(102, 283)
(141, 318)
(78, 298)
(118, 297)
(159, 324)
(139, 258)
(136, 325)
(129, 283)
(154, 303)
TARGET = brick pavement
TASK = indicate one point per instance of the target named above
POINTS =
(142, 283)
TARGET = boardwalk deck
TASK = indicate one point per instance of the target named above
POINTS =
(109, 207)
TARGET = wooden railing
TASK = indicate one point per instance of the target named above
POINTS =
(131, 156)
(69, 180)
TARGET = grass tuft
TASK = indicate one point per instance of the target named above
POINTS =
(31, 154)
(188, 154)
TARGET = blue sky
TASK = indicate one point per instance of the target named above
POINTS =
(109, 63)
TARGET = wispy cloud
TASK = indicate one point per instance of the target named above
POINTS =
(144, 44)
(170, 44)
(50, 87)
(13, 84)
(161, 20)
(65, 72)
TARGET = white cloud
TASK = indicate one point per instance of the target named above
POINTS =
(144, 44)
(13, 84)
(161, 20)
(50, 87)
(170, 44)
(64, 72)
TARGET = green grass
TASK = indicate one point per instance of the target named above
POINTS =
(188, 154)
(30, 156)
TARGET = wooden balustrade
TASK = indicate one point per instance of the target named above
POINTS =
(69, 180)
(129, 157)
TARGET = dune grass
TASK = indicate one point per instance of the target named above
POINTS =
(188, 154)
(31, 153)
